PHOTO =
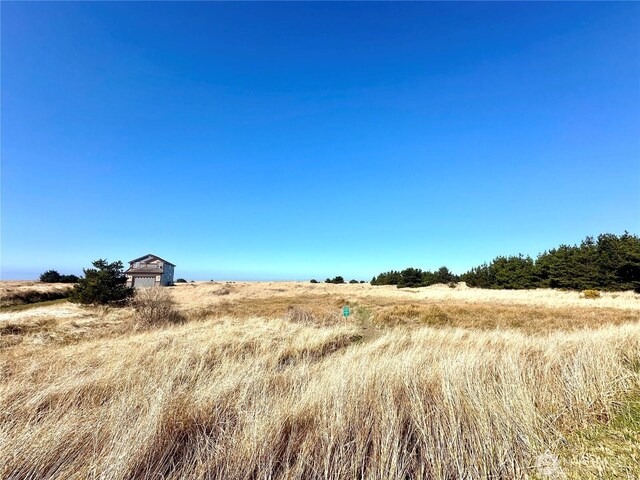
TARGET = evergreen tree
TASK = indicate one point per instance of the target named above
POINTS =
(443, 275)
(387, 278)
(50, 276)
(106, 283)
(410, 277)
(609, 263)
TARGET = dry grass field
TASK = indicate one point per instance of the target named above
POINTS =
(268, 381)
(15, 294)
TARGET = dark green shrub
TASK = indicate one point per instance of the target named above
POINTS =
(353, 281)
(181, 280)
(313, 280)
(50, 276)
(106, 283)
(337, 279)
(69, 279)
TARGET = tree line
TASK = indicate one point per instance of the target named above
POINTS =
(608, 262)
(414, 277)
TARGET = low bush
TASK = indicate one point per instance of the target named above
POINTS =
(336, 280)
(313, 280)
(69, 279)
(155, 306)
(181, 280)
(52, 276)
(593, 294)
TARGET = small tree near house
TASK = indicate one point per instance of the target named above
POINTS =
(103, 284)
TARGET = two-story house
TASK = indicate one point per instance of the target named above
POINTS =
(149, 271)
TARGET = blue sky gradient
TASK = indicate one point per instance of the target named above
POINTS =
(300, 140)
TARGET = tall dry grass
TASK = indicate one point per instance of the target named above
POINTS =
(384, 313)
(13, 293)
(204, 293)
(269, 399)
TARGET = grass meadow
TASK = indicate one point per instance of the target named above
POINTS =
(269, 381)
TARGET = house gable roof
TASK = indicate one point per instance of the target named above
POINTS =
(151, 255)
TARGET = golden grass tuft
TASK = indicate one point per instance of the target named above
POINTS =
(591, 294)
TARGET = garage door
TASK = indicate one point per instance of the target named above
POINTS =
(140, 282)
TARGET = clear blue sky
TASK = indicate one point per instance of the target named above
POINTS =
(290, 140)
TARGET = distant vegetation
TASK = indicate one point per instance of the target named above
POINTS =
(337, 279)
(414, 277)
(609, 262)
(103, 284)
(181, 280)
(52, 276)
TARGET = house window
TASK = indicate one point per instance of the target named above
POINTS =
(136, 265)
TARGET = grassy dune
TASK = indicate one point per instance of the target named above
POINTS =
(15, 294)
(302, 393)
